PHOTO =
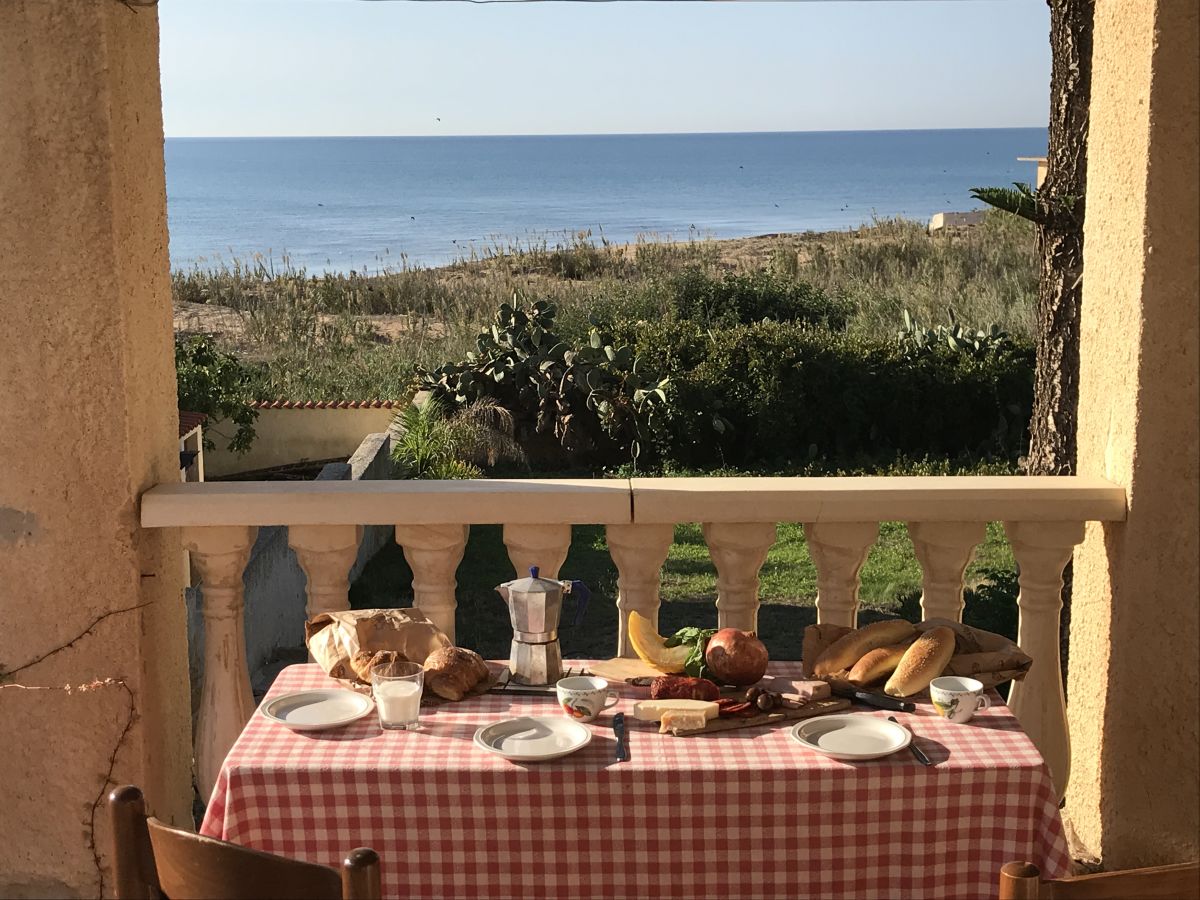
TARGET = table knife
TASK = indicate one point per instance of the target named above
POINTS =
(912, 745)
(871, 698)
(622, 737)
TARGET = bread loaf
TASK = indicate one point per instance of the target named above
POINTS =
(922, 662)
(845, 652)
(878, 663)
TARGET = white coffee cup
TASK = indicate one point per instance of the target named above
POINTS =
(957, 698)
(584, 697)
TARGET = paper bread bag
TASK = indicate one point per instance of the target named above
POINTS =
(334, 638)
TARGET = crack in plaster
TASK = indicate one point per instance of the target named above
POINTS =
(8, 673)
(130, 719)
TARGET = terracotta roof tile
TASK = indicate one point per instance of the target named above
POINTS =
(328, 404)
(189, 420)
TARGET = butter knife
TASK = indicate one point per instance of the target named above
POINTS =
(622, 737)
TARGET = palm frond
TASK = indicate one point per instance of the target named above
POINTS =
(1020, 199)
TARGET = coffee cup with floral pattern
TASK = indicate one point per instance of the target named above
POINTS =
(957, 699)
(584, 697)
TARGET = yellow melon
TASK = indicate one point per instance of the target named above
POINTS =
(651, 646)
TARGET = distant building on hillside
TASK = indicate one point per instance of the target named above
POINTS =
(1043, 166)
(956, 219)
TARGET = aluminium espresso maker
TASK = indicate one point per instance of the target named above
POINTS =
(535, 607)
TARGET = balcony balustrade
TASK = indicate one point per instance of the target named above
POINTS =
(946, 516)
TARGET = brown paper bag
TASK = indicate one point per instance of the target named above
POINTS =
(990, 658)
(334, 638)
(982, 655)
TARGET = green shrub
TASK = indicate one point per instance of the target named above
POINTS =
(217, 384)
(775, 393)
(591, 403)
(697, 296)
(434, 442)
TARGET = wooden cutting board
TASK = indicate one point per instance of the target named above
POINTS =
(619, 669)
(776, 717)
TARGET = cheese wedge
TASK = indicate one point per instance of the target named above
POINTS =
(677, 720)
(652, 710)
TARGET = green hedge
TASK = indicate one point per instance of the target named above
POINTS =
(696, 296)
(773, 393)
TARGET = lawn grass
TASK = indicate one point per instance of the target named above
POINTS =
(891, 583)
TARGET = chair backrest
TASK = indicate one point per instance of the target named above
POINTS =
(1023, 881)
(154, 860)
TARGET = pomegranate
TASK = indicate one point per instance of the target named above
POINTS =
(736, 657)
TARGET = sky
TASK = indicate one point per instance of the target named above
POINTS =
(352, 67)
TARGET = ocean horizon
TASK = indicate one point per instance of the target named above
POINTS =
(366, 203)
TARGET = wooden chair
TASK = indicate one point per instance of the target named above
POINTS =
(154, 861)
(1023, 881)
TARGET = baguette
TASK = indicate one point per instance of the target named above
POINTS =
(922, 662)
(845, 652)
(875, 665)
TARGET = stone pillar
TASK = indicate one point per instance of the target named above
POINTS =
(433, 552)
(1133, 681)
(838, 550)
(944, 549)
(638, 551)
(88, 421)
(326, 553)
(1042, 550)
(738, 551)
(544, 546)
(226, 701)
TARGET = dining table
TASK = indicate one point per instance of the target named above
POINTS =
(739, 813)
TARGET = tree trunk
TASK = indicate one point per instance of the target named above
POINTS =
(1060, 239)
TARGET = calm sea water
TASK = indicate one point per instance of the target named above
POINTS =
(342, 203)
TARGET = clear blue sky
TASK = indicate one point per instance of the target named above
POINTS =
(347, 67)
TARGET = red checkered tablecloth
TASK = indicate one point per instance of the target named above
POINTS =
(745, 813)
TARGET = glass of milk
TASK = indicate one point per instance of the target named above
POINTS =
(397, 692)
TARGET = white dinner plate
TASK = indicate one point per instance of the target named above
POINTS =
(317, 710)
(852, 737)
(533, 738)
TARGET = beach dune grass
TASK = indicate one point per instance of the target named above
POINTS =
(334, 336)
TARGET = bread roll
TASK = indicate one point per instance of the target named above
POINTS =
(453, 671)
(922, 662)
(364, 662)
(844, 653)
(878, 663)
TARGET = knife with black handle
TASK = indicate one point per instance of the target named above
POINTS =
(879, 701)
(622, 737)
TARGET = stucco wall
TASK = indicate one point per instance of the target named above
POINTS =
(294, 435)
(1134, 693)
(85, 301)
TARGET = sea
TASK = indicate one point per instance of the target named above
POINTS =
(369, 203)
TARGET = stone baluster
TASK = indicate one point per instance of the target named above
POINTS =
(838, 550)
(219, 555)
(639, 552)
(1042, 550)
(944, 549)
(433, 553)
(544, 546)
(326, 553)
(738, 550)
